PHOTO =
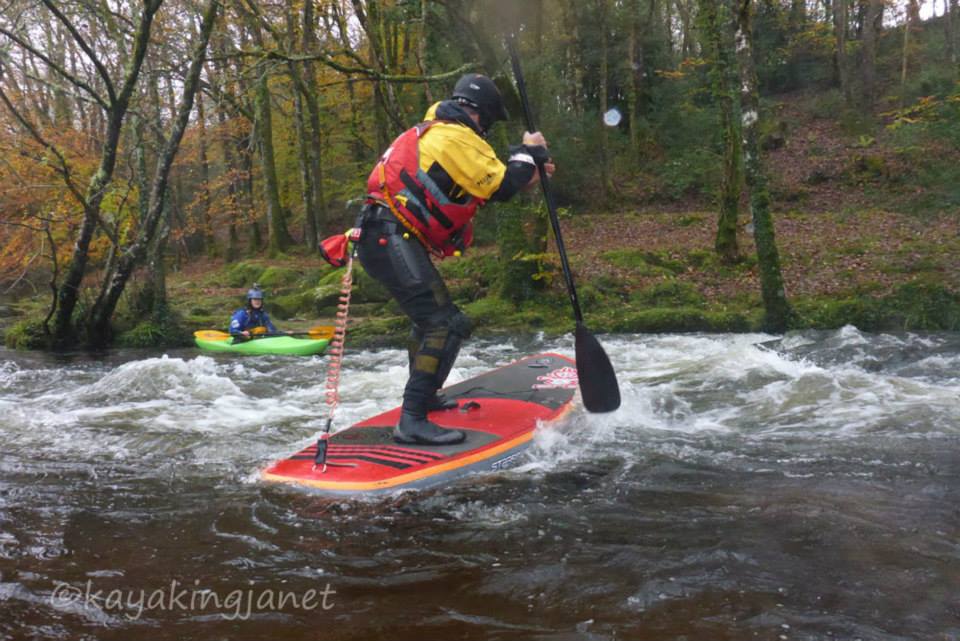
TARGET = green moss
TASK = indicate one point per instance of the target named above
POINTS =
(364, 290)
(26, 334)
(312, 276)
(302, 303)
(386, 331)
(242, 274)
(471, 277)
(490, 311)
(279, 277)
(645, 263)
(914, 306)
(688, 220)
(680, 319)
(673, 293)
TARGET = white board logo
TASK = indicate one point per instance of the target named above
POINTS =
(562, 378)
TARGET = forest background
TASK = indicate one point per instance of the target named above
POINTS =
(721, 166)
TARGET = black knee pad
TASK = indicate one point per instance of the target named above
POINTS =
(454, 320)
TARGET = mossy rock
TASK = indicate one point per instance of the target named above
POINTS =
(490, 311)
(672, 293)
(470, 278)
(243, 274)
(912, 307)
(301, 303)
(644, 263)
(680, 319)
(384, 331)
(312, 276)
(923, 305)
(279, 277)
(26, 334)
(365, 289)
(835, 313)
(151, 333)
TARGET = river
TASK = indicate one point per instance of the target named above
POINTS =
(750, 487)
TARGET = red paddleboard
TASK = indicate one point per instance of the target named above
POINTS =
(498, 411)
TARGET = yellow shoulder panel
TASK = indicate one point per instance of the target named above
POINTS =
(466, 157)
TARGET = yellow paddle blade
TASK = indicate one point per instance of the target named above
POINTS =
(211, 335)
(321, 332)
(260, 329)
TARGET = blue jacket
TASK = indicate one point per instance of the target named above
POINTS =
(246, 318)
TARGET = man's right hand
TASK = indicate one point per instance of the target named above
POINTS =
(246, 333)
(534, 139)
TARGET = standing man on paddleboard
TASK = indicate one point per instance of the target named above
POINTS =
(421, 197)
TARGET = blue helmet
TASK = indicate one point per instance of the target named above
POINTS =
(254, 292)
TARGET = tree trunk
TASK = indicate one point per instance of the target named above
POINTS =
(70, 288)
(634, 71)
(954, 49)
(948, 27)
(99, 327)
(206, 225)
(278, 235)
(605, 181)
(307, 190)
(314, 129)
(777, 312)
(840, 14)
(871, 24)
(912, 22)
(716, 22)
(303, 142)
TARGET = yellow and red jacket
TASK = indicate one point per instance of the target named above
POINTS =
(437, 174)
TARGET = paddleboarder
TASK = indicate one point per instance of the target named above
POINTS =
(421, 197)
(253, 318)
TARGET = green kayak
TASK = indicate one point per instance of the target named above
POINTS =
(222, 342)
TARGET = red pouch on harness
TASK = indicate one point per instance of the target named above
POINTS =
(334, 250)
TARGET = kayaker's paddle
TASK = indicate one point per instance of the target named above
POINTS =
(598, 382)
(319, 332)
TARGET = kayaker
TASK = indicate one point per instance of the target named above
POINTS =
(252, 319)
(421, 197)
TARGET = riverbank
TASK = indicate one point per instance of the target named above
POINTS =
(635, 272)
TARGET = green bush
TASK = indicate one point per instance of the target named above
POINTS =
(694, 172)
(26, 334)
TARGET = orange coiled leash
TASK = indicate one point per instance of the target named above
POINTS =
(335, 355)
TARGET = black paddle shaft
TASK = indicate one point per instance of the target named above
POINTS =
(598, 381)
(545, 182)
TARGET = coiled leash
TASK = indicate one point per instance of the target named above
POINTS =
(335, 350)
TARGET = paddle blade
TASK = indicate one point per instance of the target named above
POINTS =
(598, 382)
(320, 332)
(211, 335)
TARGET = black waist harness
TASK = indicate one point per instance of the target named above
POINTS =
(376, 216)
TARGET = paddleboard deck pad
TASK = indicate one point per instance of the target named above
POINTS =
(498, 411)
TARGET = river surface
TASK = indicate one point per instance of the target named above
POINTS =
(750, 487)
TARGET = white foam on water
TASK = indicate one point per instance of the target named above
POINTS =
(246, 412)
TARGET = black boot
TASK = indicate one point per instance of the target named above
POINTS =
(414, 428)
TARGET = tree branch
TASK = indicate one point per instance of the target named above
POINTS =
(101, 70)
(60, 70)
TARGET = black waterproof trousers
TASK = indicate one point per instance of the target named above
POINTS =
(398, 261)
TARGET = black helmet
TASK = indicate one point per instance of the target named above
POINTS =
(478, 91)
